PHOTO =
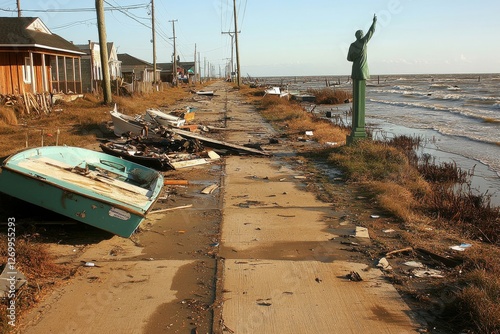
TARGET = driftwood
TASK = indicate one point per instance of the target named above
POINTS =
(28, 103)
(172, 209)
(402, 250)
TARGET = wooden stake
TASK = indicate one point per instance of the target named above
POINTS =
(402, 250)
(171, 209)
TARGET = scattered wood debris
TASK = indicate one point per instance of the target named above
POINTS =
(354, 276)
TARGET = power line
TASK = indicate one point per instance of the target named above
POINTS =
(76, 10)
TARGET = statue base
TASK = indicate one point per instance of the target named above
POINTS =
(358, 111)
(356, 134)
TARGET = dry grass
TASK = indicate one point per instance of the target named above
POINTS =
(330, 96)
(291, 118)
(7, 116)
(34, 261)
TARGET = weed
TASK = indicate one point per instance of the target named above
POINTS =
(330, 96)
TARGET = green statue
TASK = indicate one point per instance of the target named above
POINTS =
(357, 53)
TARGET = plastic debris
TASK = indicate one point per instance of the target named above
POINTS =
(461, 247)
(384, 264)
(414, 264)
(354, 276)
(427, 273)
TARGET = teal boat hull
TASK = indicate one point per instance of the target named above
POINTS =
(113, 194)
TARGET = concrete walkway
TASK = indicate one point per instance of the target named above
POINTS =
(284, 269)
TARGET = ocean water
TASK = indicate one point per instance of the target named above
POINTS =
(457, 115)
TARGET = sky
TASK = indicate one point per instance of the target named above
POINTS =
(289, 37)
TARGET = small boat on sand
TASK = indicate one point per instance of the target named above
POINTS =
(161, 118)
(205, 92)
(124, 124)
(277, 91)
(91, 187)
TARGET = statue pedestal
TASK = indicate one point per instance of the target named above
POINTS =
(358, 111)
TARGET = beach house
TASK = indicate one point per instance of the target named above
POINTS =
(34, 60)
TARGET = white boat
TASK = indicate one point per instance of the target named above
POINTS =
(275, 91)
(155, 115)
(205, 92)
(127, 124)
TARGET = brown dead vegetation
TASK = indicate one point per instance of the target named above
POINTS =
(330, 96)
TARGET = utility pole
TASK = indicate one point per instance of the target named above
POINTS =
(154, 39)
(103, 46)
(174, 67)
(199, 66)
(19, 8)
(238, 73)
(230, 33)
(194, 80)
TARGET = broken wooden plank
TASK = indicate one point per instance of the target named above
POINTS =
(172, 209)
(402, 250)
(218, 144)
(189, 163)
(447, 261)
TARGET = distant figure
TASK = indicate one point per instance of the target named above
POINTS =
(357, 53)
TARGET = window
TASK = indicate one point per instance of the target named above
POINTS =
(27, 70)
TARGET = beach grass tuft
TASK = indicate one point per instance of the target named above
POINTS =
(331, 96)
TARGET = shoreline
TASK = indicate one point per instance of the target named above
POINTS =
(484, 180)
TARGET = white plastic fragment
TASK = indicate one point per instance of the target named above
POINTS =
(384, 264)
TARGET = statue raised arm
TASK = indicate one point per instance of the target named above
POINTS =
(358, 53)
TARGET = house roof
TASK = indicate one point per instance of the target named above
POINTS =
(128, 60)
(184, 64)
(18, 32)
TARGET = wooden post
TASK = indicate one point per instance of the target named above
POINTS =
(103, 45)
(238, 71)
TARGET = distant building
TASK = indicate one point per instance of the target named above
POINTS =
(91, 65)
(135, 69)
(185, 71)
(34, 60)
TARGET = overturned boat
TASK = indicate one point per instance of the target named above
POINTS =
(95, 188)
(156, 160)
